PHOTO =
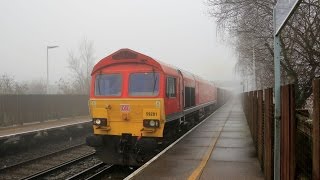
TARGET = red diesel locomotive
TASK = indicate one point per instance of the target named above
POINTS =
(136, 103)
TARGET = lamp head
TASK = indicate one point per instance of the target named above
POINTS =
(51, 47)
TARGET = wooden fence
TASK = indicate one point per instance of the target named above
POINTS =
(298, 159)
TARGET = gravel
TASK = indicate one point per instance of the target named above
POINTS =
(41, 149)
(74, 169)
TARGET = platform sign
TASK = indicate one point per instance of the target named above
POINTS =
(283, 11)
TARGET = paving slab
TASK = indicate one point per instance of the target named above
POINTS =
(165, 168)
(234, 154)
(235, 134)
(229, 142)
(196, 141)
(210, 128)
(239, 128)
(189, 152)
(204, 134)
(222, 170)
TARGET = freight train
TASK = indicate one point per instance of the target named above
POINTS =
(138, 103)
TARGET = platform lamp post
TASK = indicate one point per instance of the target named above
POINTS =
(282, 12)
(48, 47)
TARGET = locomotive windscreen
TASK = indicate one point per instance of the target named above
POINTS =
(108, 85)
(144, 84)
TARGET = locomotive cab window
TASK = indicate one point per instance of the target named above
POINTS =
(171, 87)
(144, 84)
(108, 85)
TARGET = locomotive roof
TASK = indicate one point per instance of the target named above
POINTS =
(130, 56)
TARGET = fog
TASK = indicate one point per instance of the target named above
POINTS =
(177, 32)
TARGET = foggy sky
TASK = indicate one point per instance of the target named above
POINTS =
(176, 32)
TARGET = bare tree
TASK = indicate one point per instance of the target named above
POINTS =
(36, 87)
(80, 65)
(249, 24)
(65, 87)
(9, 86)
(301, 52)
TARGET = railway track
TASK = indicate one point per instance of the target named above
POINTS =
(93, 172)
(40, 167)
(39, 157)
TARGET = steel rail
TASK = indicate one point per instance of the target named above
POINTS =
(97, 170)
(98, 174)
(45, 172)
(40, 157)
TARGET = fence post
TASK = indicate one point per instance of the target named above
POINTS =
(268, 132)
(316, 130)
(247, 106)
(251, 112)
(260, 127)
(253, 109)
(288, 131)
(255, 118)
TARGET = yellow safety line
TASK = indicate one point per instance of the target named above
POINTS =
(197, 172)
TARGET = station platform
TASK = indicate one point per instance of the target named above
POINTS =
(220, 147)
(10, 131)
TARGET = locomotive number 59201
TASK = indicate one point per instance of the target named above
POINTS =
(153, 114)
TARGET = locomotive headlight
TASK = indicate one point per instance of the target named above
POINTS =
(151, 123)
(100, 122)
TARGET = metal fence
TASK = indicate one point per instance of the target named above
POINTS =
(19, 109)
(300, 136)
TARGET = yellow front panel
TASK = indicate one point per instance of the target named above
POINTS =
(126, 115)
